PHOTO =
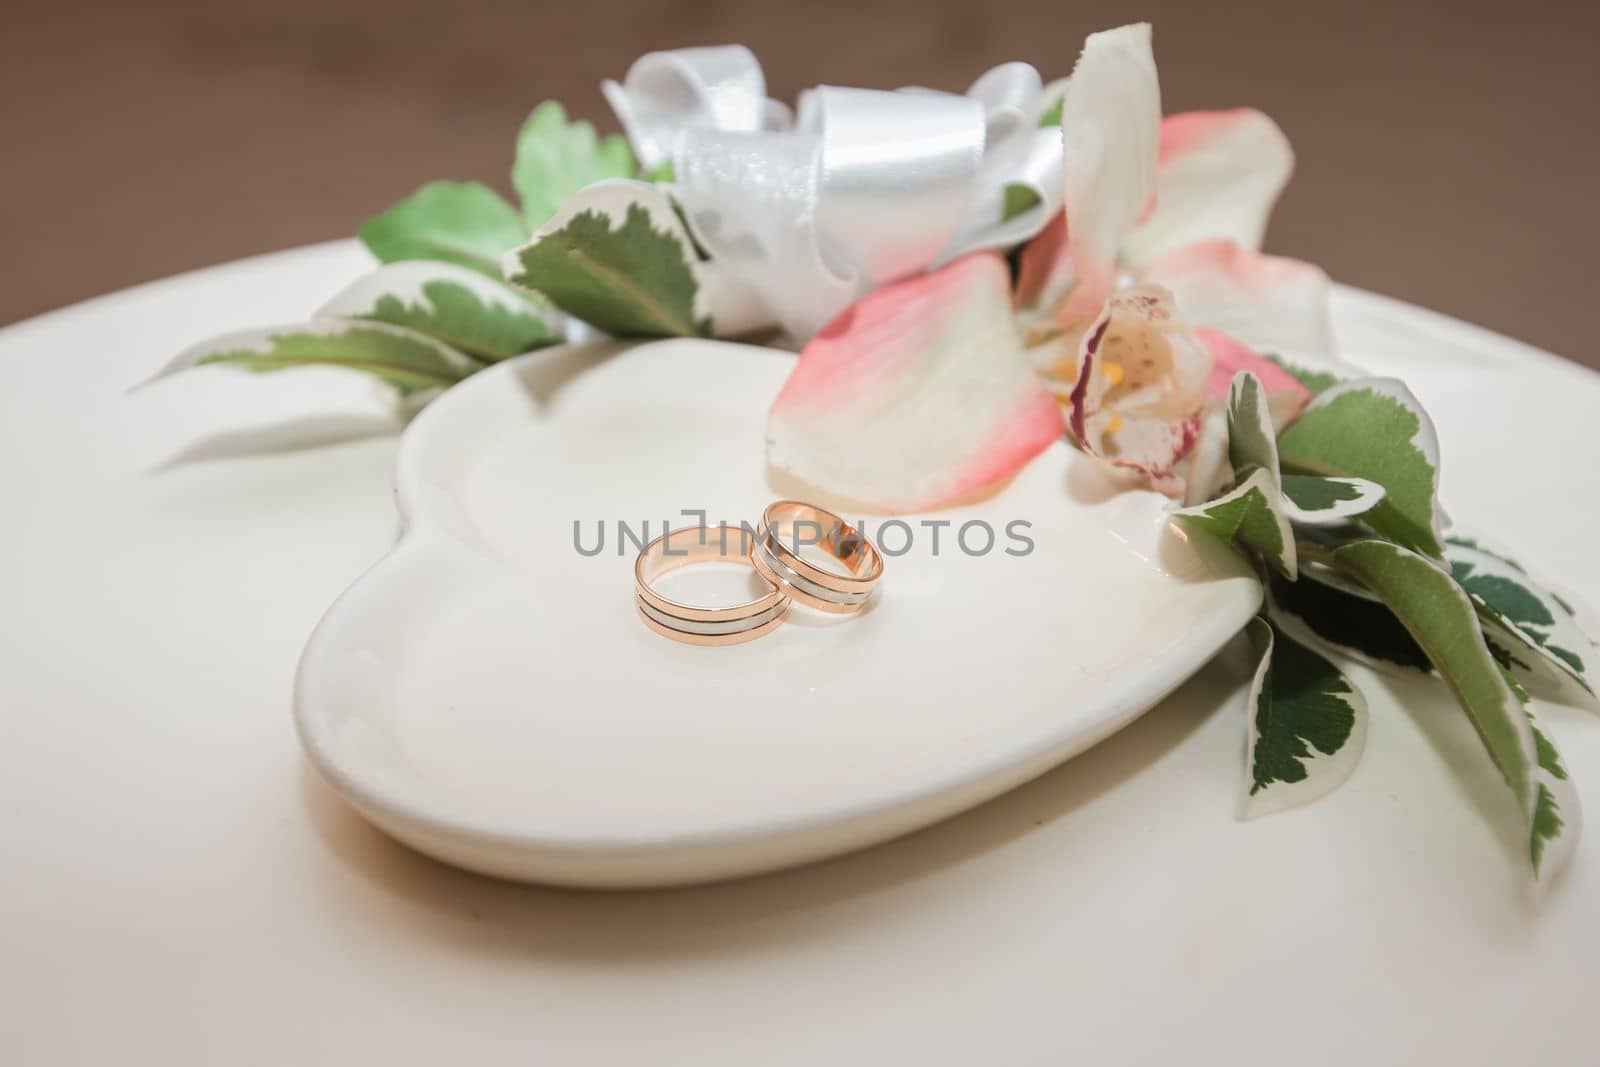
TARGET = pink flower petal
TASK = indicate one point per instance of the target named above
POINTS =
(1271, 304)
(1111, 121)
(1219, 176)
(916, 396)
(1140, 395)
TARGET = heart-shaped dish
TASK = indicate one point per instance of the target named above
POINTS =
(487, 694)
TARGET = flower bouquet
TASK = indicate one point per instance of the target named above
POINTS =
(969, 278)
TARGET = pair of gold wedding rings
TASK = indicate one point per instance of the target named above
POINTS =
(789, 577)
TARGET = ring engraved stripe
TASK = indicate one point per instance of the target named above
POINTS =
(711, 639)
(789, 576)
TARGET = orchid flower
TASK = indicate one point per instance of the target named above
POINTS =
(1174, 209)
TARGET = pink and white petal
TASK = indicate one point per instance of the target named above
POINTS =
(1273, 305)
(1111, 124)
(917, 395)
(1139, 399)
(1287, 397)
(1220, 173)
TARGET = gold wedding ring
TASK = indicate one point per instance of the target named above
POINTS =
(695, 625)
(802, 524)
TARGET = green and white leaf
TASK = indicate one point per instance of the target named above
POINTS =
(1308, 724)
(1252, 442)
(556, 158)
(617, 256)
(1374, 429)
(1334, 612)
(1260, 493)
(1313, 501)
(1440, 616)
(465, 223)
(1252, 445)
(1503, 592)
(1557, 820)
(409, 362)
(1250, 514)
(486, 319)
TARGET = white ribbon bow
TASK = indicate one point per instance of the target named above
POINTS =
(860, 188)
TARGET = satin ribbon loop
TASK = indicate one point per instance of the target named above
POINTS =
(897, 174)
(719, 87)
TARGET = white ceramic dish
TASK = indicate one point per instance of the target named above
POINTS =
(487, 695)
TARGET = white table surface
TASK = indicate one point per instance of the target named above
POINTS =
(177, 887)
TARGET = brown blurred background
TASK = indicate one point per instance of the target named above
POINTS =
(1447, 151)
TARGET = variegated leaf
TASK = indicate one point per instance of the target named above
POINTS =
(1249, 513)
(1374, 429)
(1330, 610)
(1533, 618)
(1252, 445)
(407, 361)
(1313, 501)
(1557, 818)
(618, 257)
(1308, 724)
(1252, 442)
(1442, 619)
(486, 319)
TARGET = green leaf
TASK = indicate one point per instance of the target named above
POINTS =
(1320, 494)
(1502, 591)
(486, 319)
(662, 173)
(1051, 116)
(1440, 617)
(1018, 199)
(1249, 513)
(1307, 725)
(1257, 511)
(1557, 815)
(408, 361)
(465, 223)
(1374, 429)
(616, 257)
(556, 158)
(1313, 501)
(1317, 381)
(1251, 444)
(1358, 626)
